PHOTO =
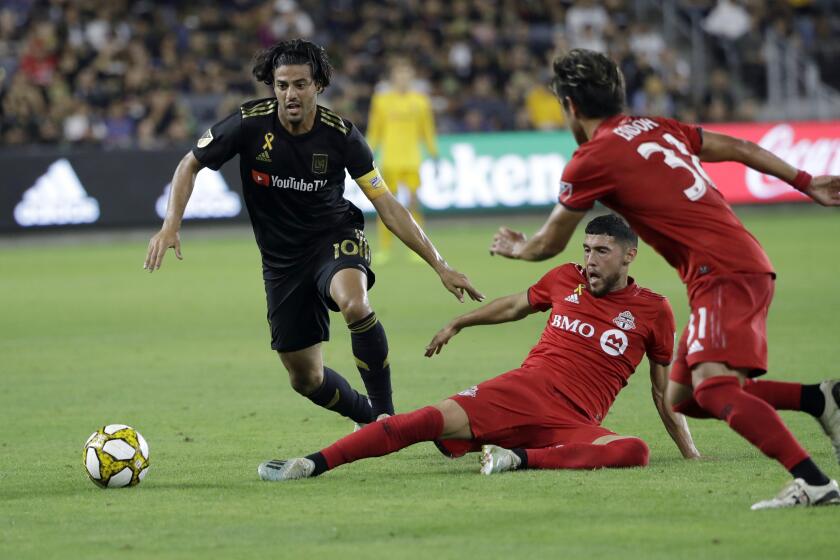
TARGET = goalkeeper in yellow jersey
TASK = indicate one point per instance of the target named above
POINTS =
(400, 121)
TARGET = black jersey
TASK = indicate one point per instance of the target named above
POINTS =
(293, 184)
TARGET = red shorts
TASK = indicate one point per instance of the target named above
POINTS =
(521, 409)
(728, 324)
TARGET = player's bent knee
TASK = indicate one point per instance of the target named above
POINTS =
(353, 306)
(456, 423)
(635, 452)
(305, 382)
(623, 451)
(348, 289)
(355, 309)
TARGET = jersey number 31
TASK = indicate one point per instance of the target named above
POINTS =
(685, 160)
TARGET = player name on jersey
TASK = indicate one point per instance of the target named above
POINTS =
(634, 128)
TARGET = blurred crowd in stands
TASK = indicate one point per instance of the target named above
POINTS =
(123, 73)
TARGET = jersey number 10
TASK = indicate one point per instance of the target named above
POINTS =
(685, 160)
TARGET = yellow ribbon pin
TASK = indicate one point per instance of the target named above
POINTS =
(269, 138)
(579, 289)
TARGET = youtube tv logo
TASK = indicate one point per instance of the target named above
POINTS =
(263, 179)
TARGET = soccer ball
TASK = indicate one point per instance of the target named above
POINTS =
(116, 455)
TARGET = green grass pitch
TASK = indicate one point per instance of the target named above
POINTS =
(87, 338)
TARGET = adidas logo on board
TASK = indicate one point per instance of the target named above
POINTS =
(57, 198)
(211, 198)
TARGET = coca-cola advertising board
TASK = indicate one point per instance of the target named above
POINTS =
(812, 146)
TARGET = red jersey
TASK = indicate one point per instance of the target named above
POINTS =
(647, 169)
(592, 345)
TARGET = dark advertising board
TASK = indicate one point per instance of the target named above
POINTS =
(46, 189)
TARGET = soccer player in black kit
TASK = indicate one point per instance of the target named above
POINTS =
(292, 159)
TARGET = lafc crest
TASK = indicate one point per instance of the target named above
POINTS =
(319, 163)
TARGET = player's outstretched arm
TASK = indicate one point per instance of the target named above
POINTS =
(179, 194)
(502, 310)
(674, 422)
(397, 219)
(549, 241)
(824, 189)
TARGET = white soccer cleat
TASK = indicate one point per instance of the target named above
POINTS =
(830, 419)
(278, 470)
(798, 493)
(495, 459)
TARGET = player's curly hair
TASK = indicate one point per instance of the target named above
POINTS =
(614, 226)
(591, 80)
(296, 51)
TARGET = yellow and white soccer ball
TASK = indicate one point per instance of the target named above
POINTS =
(116, 455)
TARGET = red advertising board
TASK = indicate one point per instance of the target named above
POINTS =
(812, 146)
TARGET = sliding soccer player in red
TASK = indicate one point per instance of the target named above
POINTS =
(547, 413)
(648, 170)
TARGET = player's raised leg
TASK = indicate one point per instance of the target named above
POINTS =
(609, 451)
(781, 395)
(446, 420)
(348, 289)
(324, 386)
(820, 400)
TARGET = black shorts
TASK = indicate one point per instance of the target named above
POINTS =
(298, 302)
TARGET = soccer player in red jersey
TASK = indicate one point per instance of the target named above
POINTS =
(648, 170)
(547, 413)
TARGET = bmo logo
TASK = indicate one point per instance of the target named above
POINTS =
(614, 341)
(562, 322)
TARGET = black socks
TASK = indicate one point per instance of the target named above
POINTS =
(320, 463)
(523, 458)
(810, 473)
(336, 394)
(370, 349)
(812, 400)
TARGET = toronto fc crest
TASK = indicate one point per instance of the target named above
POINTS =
(625, 321)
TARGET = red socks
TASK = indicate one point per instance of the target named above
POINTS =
(778, 394)
(627, 452)
(386, 436)
(755, 420)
